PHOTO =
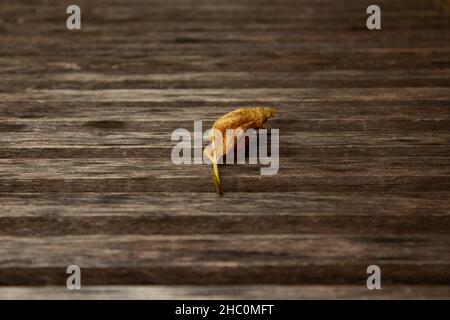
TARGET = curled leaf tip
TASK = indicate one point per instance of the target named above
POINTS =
(270, 112)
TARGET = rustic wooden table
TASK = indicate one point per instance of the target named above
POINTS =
(86, 176)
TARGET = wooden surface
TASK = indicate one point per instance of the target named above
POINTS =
(240, 292)
(85, 170)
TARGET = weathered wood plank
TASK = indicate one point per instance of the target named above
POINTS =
(314, 204)
(131, 151)
(247, 183)
(301, 167)
(178, 250)
(237, 292)
(232, 96)
(208, 259)
(311, 139)
(44, 111)
(162, 223)
(83, 214)
(355, 77)
(336, 125)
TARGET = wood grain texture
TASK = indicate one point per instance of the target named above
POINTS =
(85, 140)
(221, 292)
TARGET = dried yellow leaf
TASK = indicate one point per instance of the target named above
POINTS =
(238, 120)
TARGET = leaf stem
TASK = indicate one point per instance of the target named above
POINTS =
(216, 176)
